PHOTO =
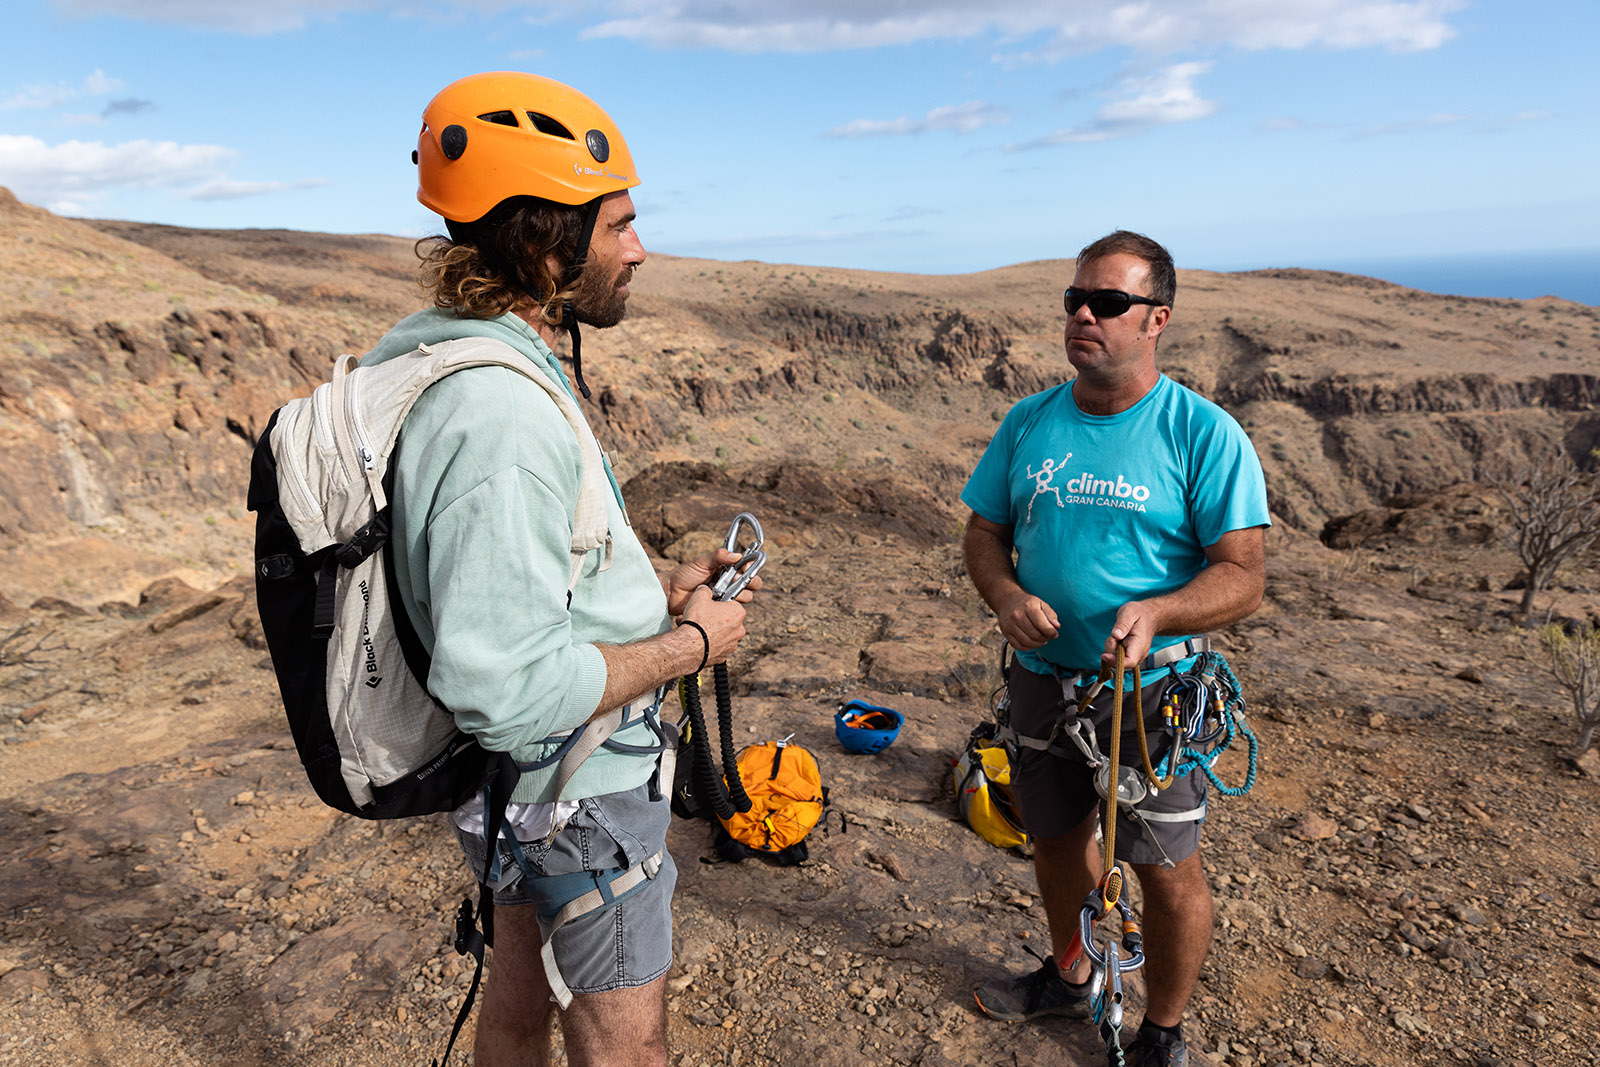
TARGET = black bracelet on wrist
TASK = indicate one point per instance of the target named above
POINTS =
(704, 641)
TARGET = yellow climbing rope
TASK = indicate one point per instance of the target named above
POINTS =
(1111, 879)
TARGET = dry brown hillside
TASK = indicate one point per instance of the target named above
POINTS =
(1413, 880)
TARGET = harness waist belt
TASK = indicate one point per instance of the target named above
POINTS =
(1189, 646)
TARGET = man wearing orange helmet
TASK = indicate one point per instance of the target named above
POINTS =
(537, 644)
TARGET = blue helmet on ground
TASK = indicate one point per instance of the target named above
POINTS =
(866, 728)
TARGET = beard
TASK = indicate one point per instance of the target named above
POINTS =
(596, 300)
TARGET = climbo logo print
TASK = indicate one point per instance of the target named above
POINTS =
(1041, 482)
(1086, 488)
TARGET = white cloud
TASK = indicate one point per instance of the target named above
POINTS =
(1405, 126)
(64, 177)
(69, 176)
(1071, 26)
(1166, 26)
(959, 118)
(97, 84)
(225, 189)
(1508, 122)
(236, 16)
(1166, 96)
(45, 97)
(1074, 26)
(1284, 124)
(1143, 101)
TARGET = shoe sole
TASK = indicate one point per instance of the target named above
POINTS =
(1015, 1017)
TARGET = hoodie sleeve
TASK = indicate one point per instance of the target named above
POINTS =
(486, 480)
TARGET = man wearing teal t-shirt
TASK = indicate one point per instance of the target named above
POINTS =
(1119, 508)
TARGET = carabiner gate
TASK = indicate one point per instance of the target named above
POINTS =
(732, 579)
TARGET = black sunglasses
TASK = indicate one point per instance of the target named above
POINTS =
(1104, 303)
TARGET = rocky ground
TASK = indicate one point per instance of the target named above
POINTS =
(1413, 879)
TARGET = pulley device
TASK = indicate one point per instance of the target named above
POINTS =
(706, 786)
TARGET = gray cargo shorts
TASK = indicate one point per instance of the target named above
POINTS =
(1055, 793)
(629, 941)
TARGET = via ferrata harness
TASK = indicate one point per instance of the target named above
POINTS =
(1202, 706)
(1202, 715)
(703, 786)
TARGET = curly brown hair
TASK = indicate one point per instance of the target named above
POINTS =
(502, 261)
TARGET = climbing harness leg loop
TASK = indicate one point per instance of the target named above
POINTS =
(601, 895)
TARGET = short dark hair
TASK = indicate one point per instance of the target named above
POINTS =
(1163, 276)
(487, 268)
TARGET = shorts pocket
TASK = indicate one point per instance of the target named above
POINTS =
(635, 824)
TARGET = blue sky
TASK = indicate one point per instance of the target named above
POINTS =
(884, 134)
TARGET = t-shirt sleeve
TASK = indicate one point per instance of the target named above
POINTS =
(988, 491)
(1229, 491)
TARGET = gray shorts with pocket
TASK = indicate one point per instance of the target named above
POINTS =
(626, 943)
(1056, 793)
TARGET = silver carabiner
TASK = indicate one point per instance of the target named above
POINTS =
(732, 579)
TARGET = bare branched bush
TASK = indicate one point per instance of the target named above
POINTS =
(1554, 514)
(1575, 662)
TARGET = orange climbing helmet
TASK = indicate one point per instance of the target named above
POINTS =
(489, 137)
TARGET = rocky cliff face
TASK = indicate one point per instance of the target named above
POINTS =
(141, 362)
(129, 380)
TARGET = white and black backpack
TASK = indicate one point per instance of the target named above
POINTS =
(350, 666)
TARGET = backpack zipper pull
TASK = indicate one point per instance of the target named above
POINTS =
(368, 460)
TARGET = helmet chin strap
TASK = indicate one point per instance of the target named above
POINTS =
(569, 314)
(569, 322)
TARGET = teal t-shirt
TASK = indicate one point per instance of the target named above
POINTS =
(1105, 509)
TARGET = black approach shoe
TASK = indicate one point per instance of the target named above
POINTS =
(1153, 1048)
(1044, 992)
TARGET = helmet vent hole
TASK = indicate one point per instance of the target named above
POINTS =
(501, 118)
(546, 124)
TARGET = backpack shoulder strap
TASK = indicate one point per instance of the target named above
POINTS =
(333, 447)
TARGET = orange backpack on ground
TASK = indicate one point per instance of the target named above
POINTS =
(787, 795)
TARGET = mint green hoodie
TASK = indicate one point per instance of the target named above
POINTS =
(486, 477)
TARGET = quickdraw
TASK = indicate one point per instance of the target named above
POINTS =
(725, 799)
(1205, 706)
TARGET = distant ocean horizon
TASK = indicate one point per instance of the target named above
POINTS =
(1570, 275)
